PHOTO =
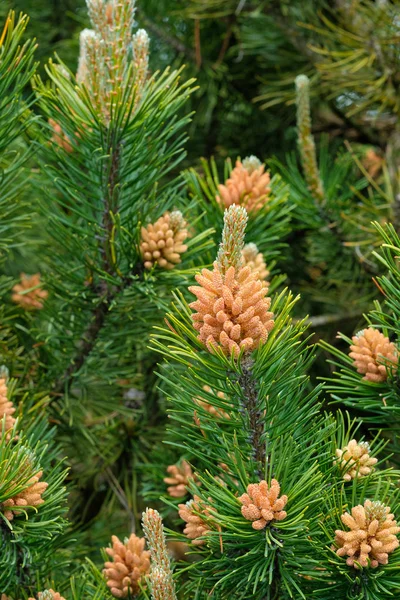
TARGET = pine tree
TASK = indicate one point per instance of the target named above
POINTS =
(105, 200)
(118, 250)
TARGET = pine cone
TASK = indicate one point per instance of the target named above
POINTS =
(232, 310)
(213, 410)
(6, 408)
(254, 259)
(355, 461)
(372, 353)
(195, 513)
(162, 242)
(29, 497)
(262, 505)
(130, 563)
(179, 479)
(372, 535)
(248, 185)
(32, 300)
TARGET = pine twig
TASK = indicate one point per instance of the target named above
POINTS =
(306, 140)
(86, 344)
(251, 409)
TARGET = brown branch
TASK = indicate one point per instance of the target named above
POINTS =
(225, 43)
(107, 222)
(107, 295)
(256, 420)
(86, 344)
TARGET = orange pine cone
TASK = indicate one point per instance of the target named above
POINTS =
(372, 536)
(31, 496)
(6, 409)
(372, 353)
(248, 185)
(130, 563)
(162, 242)
(179, 478)
(231, 310)
(33, 299)
(262, 504)
(195, 514)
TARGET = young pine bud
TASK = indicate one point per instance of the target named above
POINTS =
(306, 140)
(161, 581)
(232, 244)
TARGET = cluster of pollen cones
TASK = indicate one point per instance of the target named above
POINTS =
(248, 185)
(162, 241)
(231, 310)
(374, 355)
(31, 496)
(263, 503)
(129, 563)
(372, 535)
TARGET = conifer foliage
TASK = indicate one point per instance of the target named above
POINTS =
(267, 508)
(162, 434)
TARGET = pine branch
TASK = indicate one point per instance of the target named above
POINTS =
(86, 345)
(231, 22)
(306, 140)
(90, 336)
(107, 222)
(251, 409)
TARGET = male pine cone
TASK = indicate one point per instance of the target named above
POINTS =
(373, 354)
(178, 479)
(162, 242)
(263, 504)
(30, 496)
(130, 562)
(355, 461)
(372, 535)
(6, 409)
(195, 514)
(248, 185)
(232, 310)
